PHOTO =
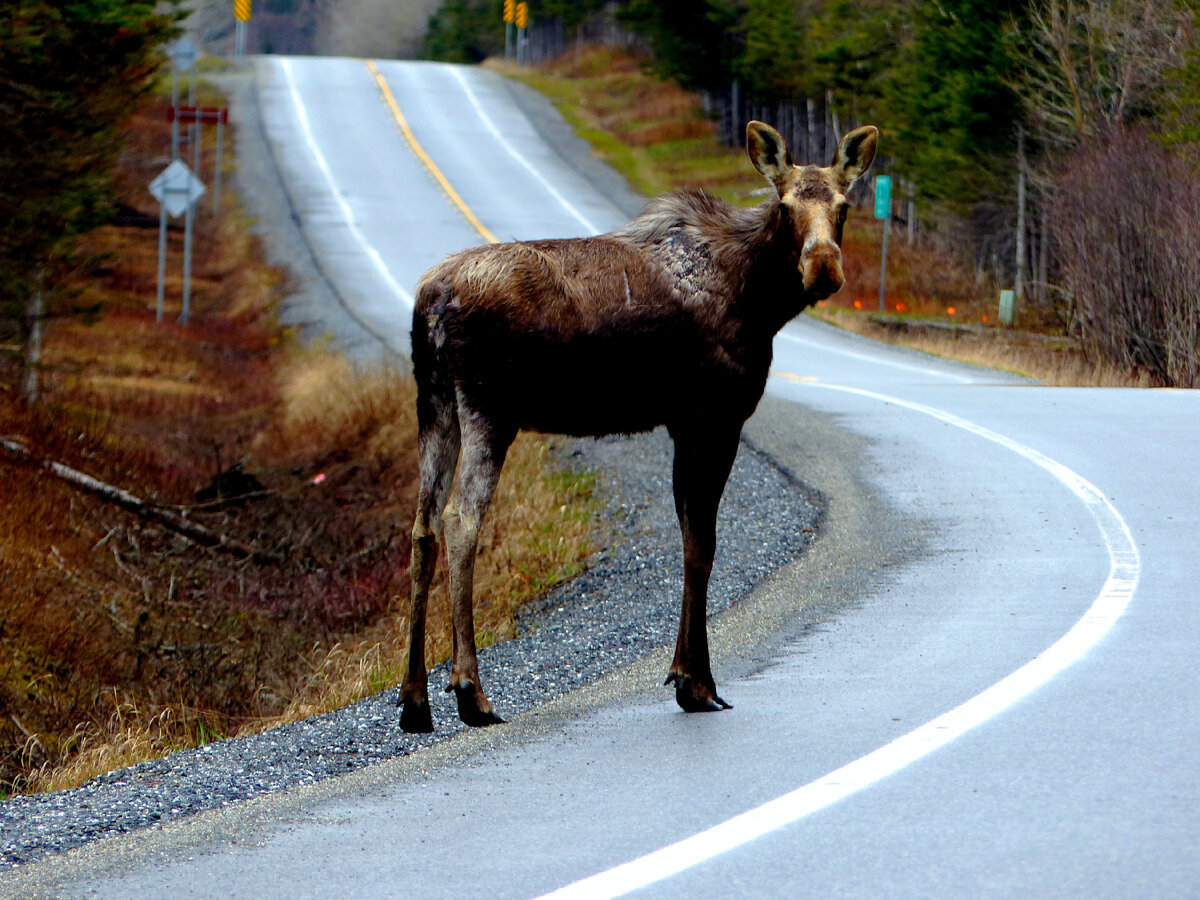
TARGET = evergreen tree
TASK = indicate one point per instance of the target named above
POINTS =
(69, 76)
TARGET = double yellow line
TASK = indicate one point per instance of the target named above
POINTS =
(419, 152)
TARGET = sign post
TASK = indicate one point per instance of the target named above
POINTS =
(510, 17)
(177, 189)
(522, 23)
(184, 54)
(205, 115)
(883, 210)
(241, 12)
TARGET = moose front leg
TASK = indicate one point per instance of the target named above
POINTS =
(702, 466)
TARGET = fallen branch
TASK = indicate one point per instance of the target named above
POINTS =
(194, 532)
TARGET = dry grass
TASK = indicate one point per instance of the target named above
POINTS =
(1054, 361)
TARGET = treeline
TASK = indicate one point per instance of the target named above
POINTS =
(995, 114)
(69, 77)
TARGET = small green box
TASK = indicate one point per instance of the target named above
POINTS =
(1007, 300)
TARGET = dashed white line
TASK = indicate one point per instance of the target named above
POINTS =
(1109, 605)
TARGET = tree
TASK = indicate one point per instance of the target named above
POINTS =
(954, 113)
(68, 77)
(1089, 66)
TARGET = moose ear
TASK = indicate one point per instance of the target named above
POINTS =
(769, 153)
(854, 155)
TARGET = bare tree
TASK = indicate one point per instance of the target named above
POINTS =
(1089, 66)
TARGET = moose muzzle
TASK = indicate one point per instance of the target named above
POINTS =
(821, 269)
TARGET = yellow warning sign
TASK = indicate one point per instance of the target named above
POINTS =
(241, 10)
(522, 15)
(510, 10)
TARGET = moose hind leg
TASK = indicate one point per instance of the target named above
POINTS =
(702, 466)
(438, 444)
(484, 447)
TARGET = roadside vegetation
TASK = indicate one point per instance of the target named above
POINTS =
(123, 634)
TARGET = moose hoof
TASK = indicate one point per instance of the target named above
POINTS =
(471, 710)
(416, 717)
(695, 697)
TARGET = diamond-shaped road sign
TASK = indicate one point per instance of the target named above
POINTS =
(183, 53)
(177, 187)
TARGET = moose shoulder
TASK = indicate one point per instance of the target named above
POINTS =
(667, 321)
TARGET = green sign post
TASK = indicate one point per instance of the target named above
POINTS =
(883, 210)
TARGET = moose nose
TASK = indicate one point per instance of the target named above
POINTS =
(821, 269)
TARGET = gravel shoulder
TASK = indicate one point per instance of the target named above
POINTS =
(622, 609)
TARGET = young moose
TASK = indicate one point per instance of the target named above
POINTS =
(668, 321)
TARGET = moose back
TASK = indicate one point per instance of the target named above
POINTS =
(667, 321)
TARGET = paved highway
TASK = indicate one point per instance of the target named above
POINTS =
(1002, 698)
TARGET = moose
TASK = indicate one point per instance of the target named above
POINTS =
(666, 321)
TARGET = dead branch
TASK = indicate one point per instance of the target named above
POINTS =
(150, 512)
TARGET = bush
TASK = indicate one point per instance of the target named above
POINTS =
(1127, 224)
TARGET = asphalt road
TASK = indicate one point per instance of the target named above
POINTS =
(1002, 699)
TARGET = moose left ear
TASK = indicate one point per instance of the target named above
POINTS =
(769, 153)
(854, 154)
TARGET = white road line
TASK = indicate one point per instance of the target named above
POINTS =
(347, 213)
(491, 126)
(1110, 603)
(937, 373)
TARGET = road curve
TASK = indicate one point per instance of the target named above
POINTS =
(1002, 700)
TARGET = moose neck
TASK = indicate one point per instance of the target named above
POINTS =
(762, 259)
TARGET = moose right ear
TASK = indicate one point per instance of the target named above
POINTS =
(769, 153)
(855, 154)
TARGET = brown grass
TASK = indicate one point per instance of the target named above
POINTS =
(1055, 361)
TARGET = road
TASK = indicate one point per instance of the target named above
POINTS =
(1003, 700)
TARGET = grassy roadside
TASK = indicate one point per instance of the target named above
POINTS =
(120, 640)
(656, 135)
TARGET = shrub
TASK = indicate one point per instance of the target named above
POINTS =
(1127, 224)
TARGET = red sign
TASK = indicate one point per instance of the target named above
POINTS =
(202, 114)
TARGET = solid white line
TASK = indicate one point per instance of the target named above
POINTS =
(347, 214)
(1110, 603)
(491, 126)
(937, 373)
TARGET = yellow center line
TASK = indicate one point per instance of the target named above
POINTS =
(419, 152)
(793, 377)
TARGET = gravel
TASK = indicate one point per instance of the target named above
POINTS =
(625, 605)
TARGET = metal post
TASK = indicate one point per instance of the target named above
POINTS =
(217, 171)
(174, 116)
(883, 261)
(192, 102)
(162, 258)
(196, 143)
(187, 264)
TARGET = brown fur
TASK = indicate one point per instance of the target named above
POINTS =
(667, 321)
